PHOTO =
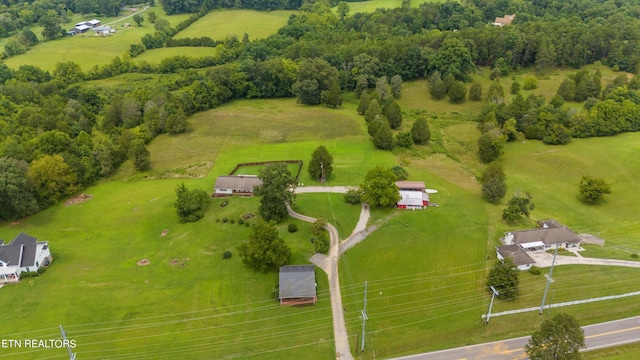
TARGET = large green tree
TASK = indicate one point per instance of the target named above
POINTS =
(593, 189)
(504, 276)
(314, 77)
(191, 205)
(379, 187)
(265, 249)
(139, 155)
(383, 139)
(452, 58)
(276, 191)
(494, 185)
(53, 178)
(559, 338)
(393, 112)
(518, 206)
(321, 164)
(491, 145)
(17, 194)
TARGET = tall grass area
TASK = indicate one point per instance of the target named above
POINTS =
(221, 23)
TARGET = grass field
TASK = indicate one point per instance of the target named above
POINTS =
(155, 56)
(87, 49)
(221, 23)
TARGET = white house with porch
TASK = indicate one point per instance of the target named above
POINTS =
(23, 254)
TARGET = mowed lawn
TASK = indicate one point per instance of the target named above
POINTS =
(188, 300)
(221, 23)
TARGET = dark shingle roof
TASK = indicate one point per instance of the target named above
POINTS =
(24, 245)
(515, 253)
(297, 281)
(549, 236)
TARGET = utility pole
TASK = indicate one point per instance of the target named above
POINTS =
(72, 356)
(364, 316)
(549, 281)
(322, 168)
(495, 292)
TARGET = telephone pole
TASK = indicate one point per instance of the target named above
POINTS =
(364, 316)
(72, 356)
(495, 292)
(549, 281)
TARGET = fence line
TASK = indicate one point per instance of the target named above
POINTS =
(568, 303)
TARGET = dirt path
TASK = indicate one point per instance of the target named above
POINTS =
(128, 16)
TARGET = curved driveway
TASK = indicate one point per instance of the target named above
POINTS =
(329, 264)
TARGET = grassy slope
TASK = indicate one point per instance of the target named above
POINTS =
(221, 23)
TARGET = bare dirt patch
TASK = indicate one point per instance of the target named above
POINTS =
(164, 232)
(144, 262)
(78, 199)
(248, 216)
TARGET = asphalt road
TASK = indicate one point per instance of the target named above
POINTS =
(597, 336)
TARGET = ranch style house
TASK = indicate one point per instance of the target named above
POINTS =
(549, 235)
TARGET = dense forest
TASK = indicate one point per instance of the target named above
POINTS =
(59, 134)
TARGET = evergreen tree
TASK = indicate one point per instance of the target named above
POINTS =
(396, 86)
(393, 113)
(475, 92)
(437, 87)
(139, 155)
(373, 110)
(420, 131)
(364, 102)
(321, 164)
(384, 137)
(504, 276)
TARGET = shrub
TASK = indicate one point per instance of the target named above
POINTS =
(225, 220)
(240, 222)
(247, 224)
(227, 255)
(224, 203)
(534, 271)
(353, 196)
(530, 83)
(635, 256)
(233, 221)
(292, 228)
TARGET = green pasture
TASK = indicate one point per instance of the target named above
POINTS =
(268, 130)
(221, 23)
(155, 56)
(87, 49)
(631, 351)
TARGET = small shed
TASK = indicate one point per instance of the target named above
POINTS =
(297, 285)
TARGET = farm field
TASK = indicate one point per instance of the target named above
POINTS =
(221, 23)
(87, 49)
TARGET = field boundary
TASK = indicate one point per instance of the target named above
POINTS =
(299, 162)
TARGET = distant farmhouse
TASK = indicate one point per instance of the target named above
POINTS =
(83, 27)
(550, 235)
(412, 195)
(23, 254)
(502, 21)
(297, 285)
(242, 185)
